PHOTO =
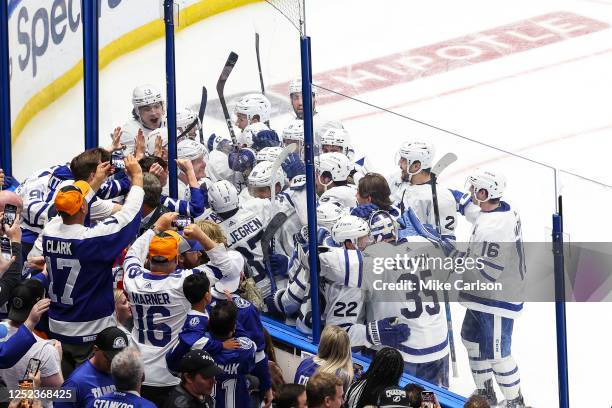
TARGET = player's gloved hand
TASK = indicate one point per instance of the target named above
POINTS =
(293, 166)
(265, 138)
(274, 305)
(410, 225)
(387, 332)
(279, 264)
(364, 210)
(242, 160)
(225, 146)
(457, 194)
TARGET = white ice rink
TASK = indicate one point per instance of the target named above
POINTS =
(539, 87)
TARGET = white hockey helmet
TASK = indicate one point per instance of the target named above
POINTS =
(337, 164)
(417, 150)
(261, 175)
(328, 213)
(152, 137)
(294, 132)
(337, 137)
(493, 182)
(145, 95)
(190, 149)
(382, 226)
(223, 196)
(254, 104)
(185, 117)
(295, 86)
(349, 227)
(249, 132)
(268, 154)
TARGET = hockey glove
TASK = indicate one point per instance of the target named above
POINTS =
(242, 160)
(387, 332)
(412, 226)
(265, 138)
(293, 166)
(364, 210)
(279, 264)
(273, 304)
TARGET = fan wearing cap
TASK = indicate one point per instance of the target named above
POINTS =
(80, 261)
(24, 297)
(92, 379)
(198, 371)
(156, 295)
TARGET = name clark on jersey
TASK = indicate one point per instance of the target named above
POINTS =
(59, 247)
(409, 285)
(245, 230)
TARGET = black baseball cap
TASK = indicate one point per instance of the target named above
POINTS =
(393, 397)
(111, 341)
(24, 297)
(199, 361)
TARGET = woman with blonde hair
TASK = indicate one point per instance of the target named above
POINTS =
(334, 356)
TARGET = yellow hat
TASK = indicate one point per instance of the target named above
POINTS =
(164, 245)
(70, 198)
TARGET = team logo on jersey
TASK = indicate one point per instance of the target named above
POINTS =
(241, 303)
(194, 321)
(147, 285)
(119, 343)
(245, 342)
(232, 222)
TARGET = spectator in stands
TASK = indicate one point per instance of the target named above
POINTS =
(80, 260)
(92, 379)
(476, 401)
(10, 270)
(276, 374)
(49, 352)
(385, 371)
(123, 313)
(7, 182)
(151, 203)
(9, 197)
(127, 372)
(393, 397)
(324, 390)
(291, 396)
(333, 356)
(198, 371)
(414, 394)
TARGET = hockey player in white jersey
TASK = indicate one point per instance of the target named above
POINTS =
(156, 295)
(487, 328)
(252, 108)
(426, 350)
(187, 123)
(148, 114)
(243, 229)
(411, 187)
(191, 164)
(293, 133)
(332, 179)
(320, 122)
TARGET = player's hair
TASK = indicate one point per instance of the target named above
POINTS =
(86, 163)
(127, 369)
(213, 230)
(222, 320)
(195, 287)
(413, 392)
(476, 401)
(152, 190)
(334, 354)
(385, 371)
(288, 395)
(375, 186)
(147, 162)
(319, 386)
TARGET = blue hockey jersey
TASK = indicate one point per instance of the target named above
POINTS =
(86, 383)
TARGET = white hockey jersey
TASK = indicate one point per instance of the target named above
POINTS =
(129, 130)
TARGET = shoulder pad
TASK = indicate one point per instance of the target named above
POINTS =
(241, 303)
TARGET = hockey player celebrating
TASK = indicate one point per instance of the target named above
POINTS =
(252, 108)
(411, 188)
(187, 123)
(294, 134)
(332, 180)
(487, 328)
(147, 114)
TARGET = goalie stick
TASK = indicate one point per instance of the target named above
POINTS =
(261, 81)
(443, 163)
(225, 73)
(267, 240)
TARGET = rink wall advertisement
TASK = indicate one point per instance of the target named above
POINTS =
(45, 43)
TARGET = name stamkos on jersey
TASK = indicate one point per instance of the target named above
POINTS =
(241, 303)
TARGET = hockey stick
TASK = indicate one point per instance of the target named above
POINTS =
(442, 164)
(225, 73)
(202, 110)
(261, 81)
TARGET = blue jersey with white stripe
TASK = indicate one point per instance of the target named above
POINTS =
(119, 399)
(86, 383)
(79, 261)
(305, 370)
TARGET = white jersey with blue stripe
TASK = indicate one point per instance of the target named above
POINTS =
(498, 242)
(79, 261)
(159, 305)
